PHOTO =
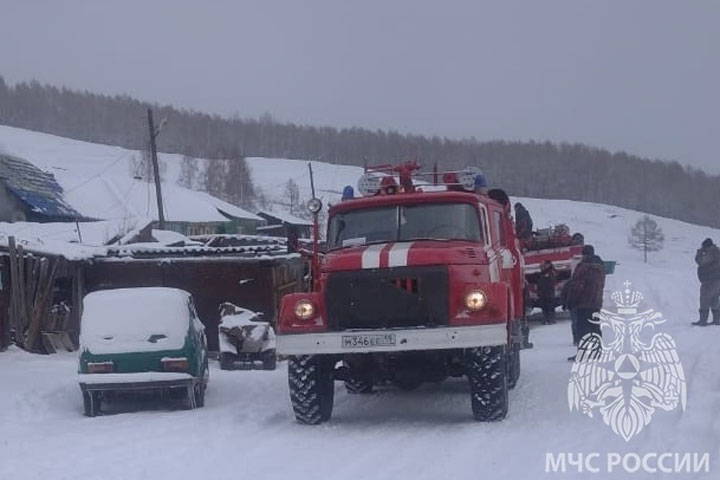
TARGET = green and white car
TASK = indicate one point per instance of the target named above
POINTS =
(141, 339)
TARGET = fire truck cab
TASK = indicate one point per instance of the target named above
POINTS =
(417, 284)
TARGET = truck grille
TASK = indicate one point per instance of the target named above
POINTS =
(387, 298)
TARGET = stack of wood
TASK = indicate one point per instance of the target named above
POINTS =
(31, 295)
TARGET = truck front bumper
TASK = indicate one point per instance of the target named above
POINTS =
(392, 340)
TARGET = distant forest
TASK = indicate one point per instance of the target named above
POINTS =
(533, 169)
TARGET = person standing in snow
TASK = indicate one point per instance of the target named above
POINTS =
(585, 294)
(708, 272)
(546, 292)
(571, 311)
(523, 223)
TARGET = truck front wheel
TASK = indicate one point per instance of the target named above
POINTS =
(356, 385)
(487, 374)
(312, 388)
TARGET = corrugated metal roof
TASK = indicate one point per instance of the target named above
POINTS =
(35, 188)
(150, 250)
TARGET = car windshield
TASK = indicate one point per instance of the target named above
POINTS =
(437, 221)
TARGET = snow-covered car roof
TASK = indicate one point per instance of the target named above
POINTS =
(135, 320)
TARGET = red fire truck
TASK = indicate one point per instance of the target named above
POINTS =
(417, 284)
(556, 245)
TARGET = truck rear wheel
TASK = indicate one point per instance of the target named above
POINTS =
(513, 363)
(488, 377)
(513, 360)
(312, 388)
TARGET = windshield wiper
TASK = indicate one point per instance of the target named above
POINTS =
(435, 239)
(364, 244)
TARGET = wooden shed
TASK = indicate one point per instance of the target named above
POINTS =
(41, 290)
(252, 277)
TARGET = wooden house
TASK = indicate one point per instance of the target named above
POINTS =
(30, 194)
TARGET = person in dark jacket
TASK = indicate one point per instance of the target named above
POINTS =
(523, 222)
(546, 292)
(585, 293)
(571, 311)
(708, 272)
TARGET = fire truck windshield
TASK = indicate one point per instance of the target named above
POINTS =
(438, 221)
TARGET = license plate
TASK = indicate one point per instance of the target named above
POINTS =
(363, 341)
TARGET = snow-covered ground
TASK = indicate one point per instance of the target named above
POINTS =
(246, 429)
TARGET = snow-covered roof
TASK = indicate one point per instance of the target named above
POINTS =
(88, 233)
(98, 180)
(168, 237)
(155, 250)
(37, 189)
(64, 238)
(286, 217)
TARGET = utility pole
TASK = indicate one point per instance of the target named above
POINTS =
(156, 169)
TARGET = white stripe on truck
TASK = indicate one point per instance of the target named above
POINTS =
(398, 256)
(371, 256)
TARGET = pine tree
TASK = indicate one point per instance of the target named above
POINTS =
(646, 235)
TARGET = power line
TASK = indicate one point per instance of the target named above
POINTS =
(104, 169)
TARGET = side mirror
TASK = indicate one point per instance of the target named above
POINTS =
(314, 205)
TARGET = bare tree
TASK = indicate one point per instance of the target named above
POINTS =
(189, 171)
(646, 235)
(141, 167)
(216, 175)
(292, 195)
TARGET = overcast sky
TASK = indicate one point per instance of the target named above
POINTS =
(640, 76)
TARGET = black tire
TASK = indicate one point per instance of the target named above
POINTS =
(227, 361)
(91, 403)
(312, 388)
(487, 374)
(269, 360)
(358, 386)
(513, 360)
(513, 363)
(200, 394)
(407, 384)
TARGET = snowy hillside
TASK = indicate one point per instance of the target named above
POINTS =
(247, 429)
(99, 180)
(272, 174)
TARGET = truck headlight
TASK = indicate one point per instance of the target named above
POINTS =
(304, 309)
(476, 300)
